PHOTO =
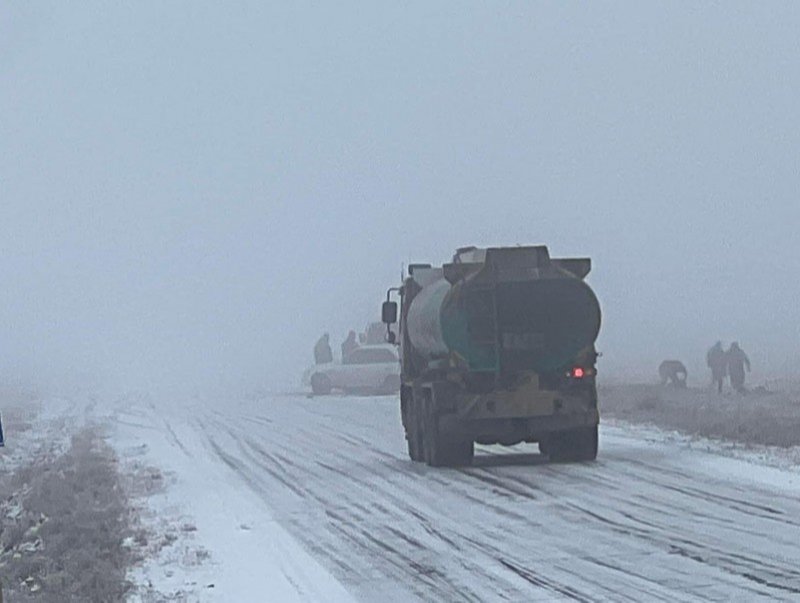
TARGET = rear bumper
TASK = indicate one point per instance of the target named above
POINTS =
(517, 429)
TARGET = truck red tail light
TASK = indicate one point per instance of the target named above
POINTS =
(579, 372)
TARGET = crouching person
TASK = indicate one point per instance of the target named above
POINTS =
(673, 372)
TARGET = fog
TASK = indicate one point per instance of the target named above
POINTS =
(192, 192)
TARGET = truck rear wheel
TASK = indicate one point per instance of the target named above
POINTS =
(416, 446)
(441, 450)
(572, 446)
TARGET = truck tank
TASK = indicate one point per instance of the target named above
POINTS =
(503, 310)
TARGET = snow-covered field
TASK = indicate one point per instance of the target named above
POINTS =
(300, 499)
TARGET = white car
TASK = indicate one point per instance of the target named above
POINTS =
(373, 369)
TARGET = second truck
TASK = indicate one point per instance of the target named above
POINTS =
(497, 347)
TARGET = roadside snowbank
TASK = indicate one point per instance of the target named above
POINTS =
(227, 547)
(771, 466)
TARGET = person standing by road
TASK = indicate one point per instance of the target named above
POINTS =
(349, 344)
(322, 350)
(717, 361)
(737, 362)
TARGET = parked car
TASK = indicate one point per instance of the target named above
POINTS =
(369, 369)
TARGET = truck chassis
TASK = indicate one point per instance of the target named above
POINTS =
(442, 421)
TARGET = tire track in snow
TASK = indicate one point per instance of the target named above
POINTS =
(613, 529)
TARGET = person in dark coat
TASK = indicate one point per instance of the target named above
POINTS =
(322, 350)
(717, 361)
(349, 344)
(737, 362)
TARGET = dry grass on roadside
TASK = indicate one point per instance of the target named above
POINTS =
(64, 521)
(767, 418)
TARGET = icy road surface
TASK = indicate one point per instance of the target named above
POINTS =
(649, 521)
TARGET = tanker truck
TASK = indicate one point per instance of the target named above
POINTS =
(497, 347)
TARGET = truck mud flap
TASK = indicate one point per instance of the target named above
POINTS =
(517, 428)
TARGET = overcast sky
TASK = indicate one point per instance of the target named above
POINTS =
(194, 191)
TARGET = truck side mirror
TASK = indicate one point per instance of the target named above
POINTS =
(389, 312)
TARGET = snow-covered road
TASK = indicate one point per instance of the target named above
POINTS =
(322, 487)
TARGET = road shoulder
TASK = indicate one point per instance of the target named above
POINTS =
(233, 550)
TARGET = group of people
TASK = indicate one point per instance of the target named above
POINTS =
(373, 335)
(728, 363)
(732, 363)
